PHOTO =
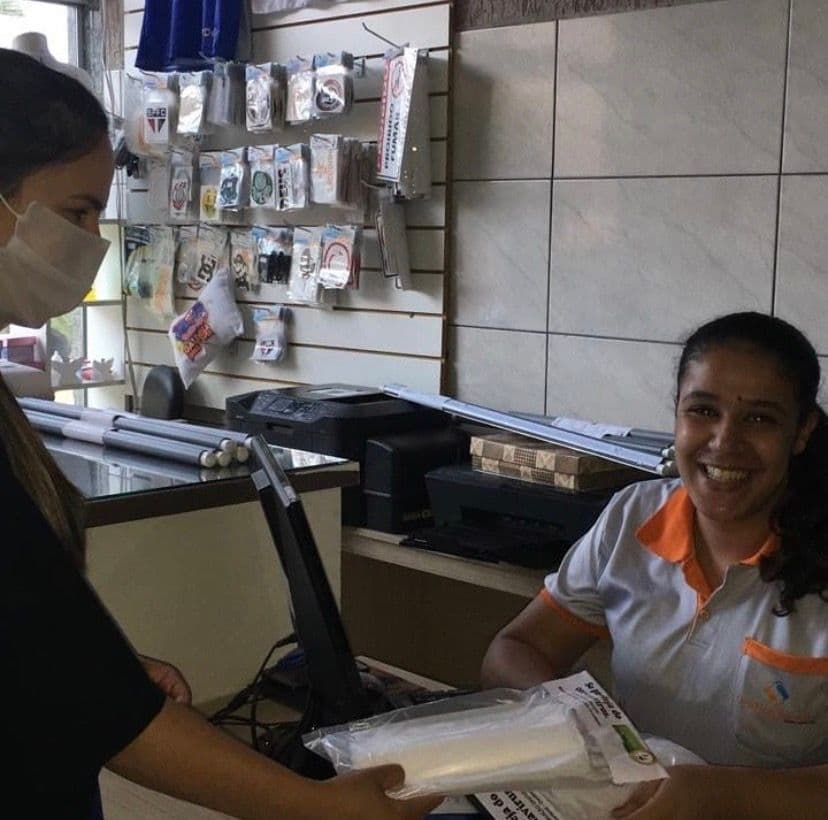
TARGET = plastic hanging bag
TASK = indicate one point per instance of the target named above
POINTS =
(340, 258)
(300, 83)
(183, 185)
(234, 183)
(209, 163)
(274, 248)
(292, 168)
(303, 284)
(327, 168)
(243, 260)
(334, 84)
(262, 176)
(159, 111)
(186, 253)
(150, 256)
(194, 92)
(555, 733)
(271, 333)
(225, 106)
(210, 324)
(211, 255)
(265, 97)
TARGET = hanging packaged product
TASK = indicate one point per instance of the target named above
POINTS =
(211, 255)
(353, 190)
(148, 270)
(160, 111)
(300, 80)
(303, 284)
(226, 103)
(133, 106)
(262, 176)
(274, 247)
(393, 239)
(327, 168)
(340, 258)
(209, 164)
(210, 324)
(193, 93)
(265, 97)
(271, 333)
(137, 239)
(183, 196)
(334, 86)
(158, 186)
(186, 253)
(404, 157)
(234, 189)
(292, 177)
(243, 263)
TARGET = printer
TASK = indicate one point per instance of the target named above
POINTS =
(394, 441)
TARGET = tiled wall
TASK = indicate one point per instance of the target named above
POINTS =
(620, 179)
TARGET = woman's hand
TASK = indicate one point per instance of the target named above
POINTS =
(688, 793)
(168, 679)
(362, 796)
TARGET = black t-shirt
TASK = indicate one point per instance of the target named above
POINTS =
(72, 692)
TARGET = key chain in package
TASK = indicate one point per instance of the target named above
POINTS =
(210, 324)
(334, 86)
(182, 186)
(262, 176)
(292, 177)
(300, 82)
(243, 263)
(327, 168)
(303, 284)
(265, 97)
(274, 247)
(340, 259)
(271, 333)
(160, 111)
(193, 93)
(234, 192)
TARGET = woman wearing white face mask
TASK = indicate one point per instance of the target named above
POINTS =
(75, 695)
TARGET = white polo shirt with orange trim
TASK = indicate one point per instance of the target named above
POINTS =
(711, 669)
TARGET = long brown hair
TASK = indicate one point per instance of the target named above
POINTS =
(45, 118)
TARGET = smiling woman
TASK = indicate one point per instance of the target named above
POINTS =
(711, 588)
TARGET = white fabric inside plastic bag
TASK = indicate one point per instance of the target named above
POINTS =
(502, 738)
(210, 324)
(587, 799)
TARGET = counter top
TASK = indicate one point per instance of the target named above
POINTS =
(122, 486)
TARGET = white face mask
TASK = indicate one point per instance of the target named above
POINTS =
(47, 267)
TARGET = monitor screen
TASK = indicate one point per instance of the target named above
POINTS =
(336, 694)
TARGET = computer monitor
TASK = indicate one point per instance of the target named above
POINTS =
(336, 694)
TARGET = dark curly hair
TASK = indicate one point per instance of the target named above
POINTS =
(800, 566)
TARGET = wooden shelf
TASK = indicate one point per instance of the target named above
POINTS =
(385, 547)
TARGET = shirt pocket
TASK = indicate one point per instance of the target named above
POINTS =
(780, 708)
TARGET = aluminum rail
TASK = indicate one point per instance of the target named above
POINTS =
(125, 440)
(650, 462)
(228, 441)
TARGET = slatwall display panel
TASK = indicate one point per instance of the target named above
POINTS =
(374, 334)
(305, 365)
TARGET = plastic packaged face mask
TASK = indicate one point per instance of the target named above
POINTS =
(225, 106)
(209, 177)
(233, 190)
(274, 247)
(340, 260)
(262, 176)
(208, 326)
(334, 84)
(182, 186)
(211, 255)
(265, 97)
(300, 81)
(243, 260)
(292, 177)
(194, 90)
(271, 334)
(160, 111)
(326, 168)
(303, 284)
